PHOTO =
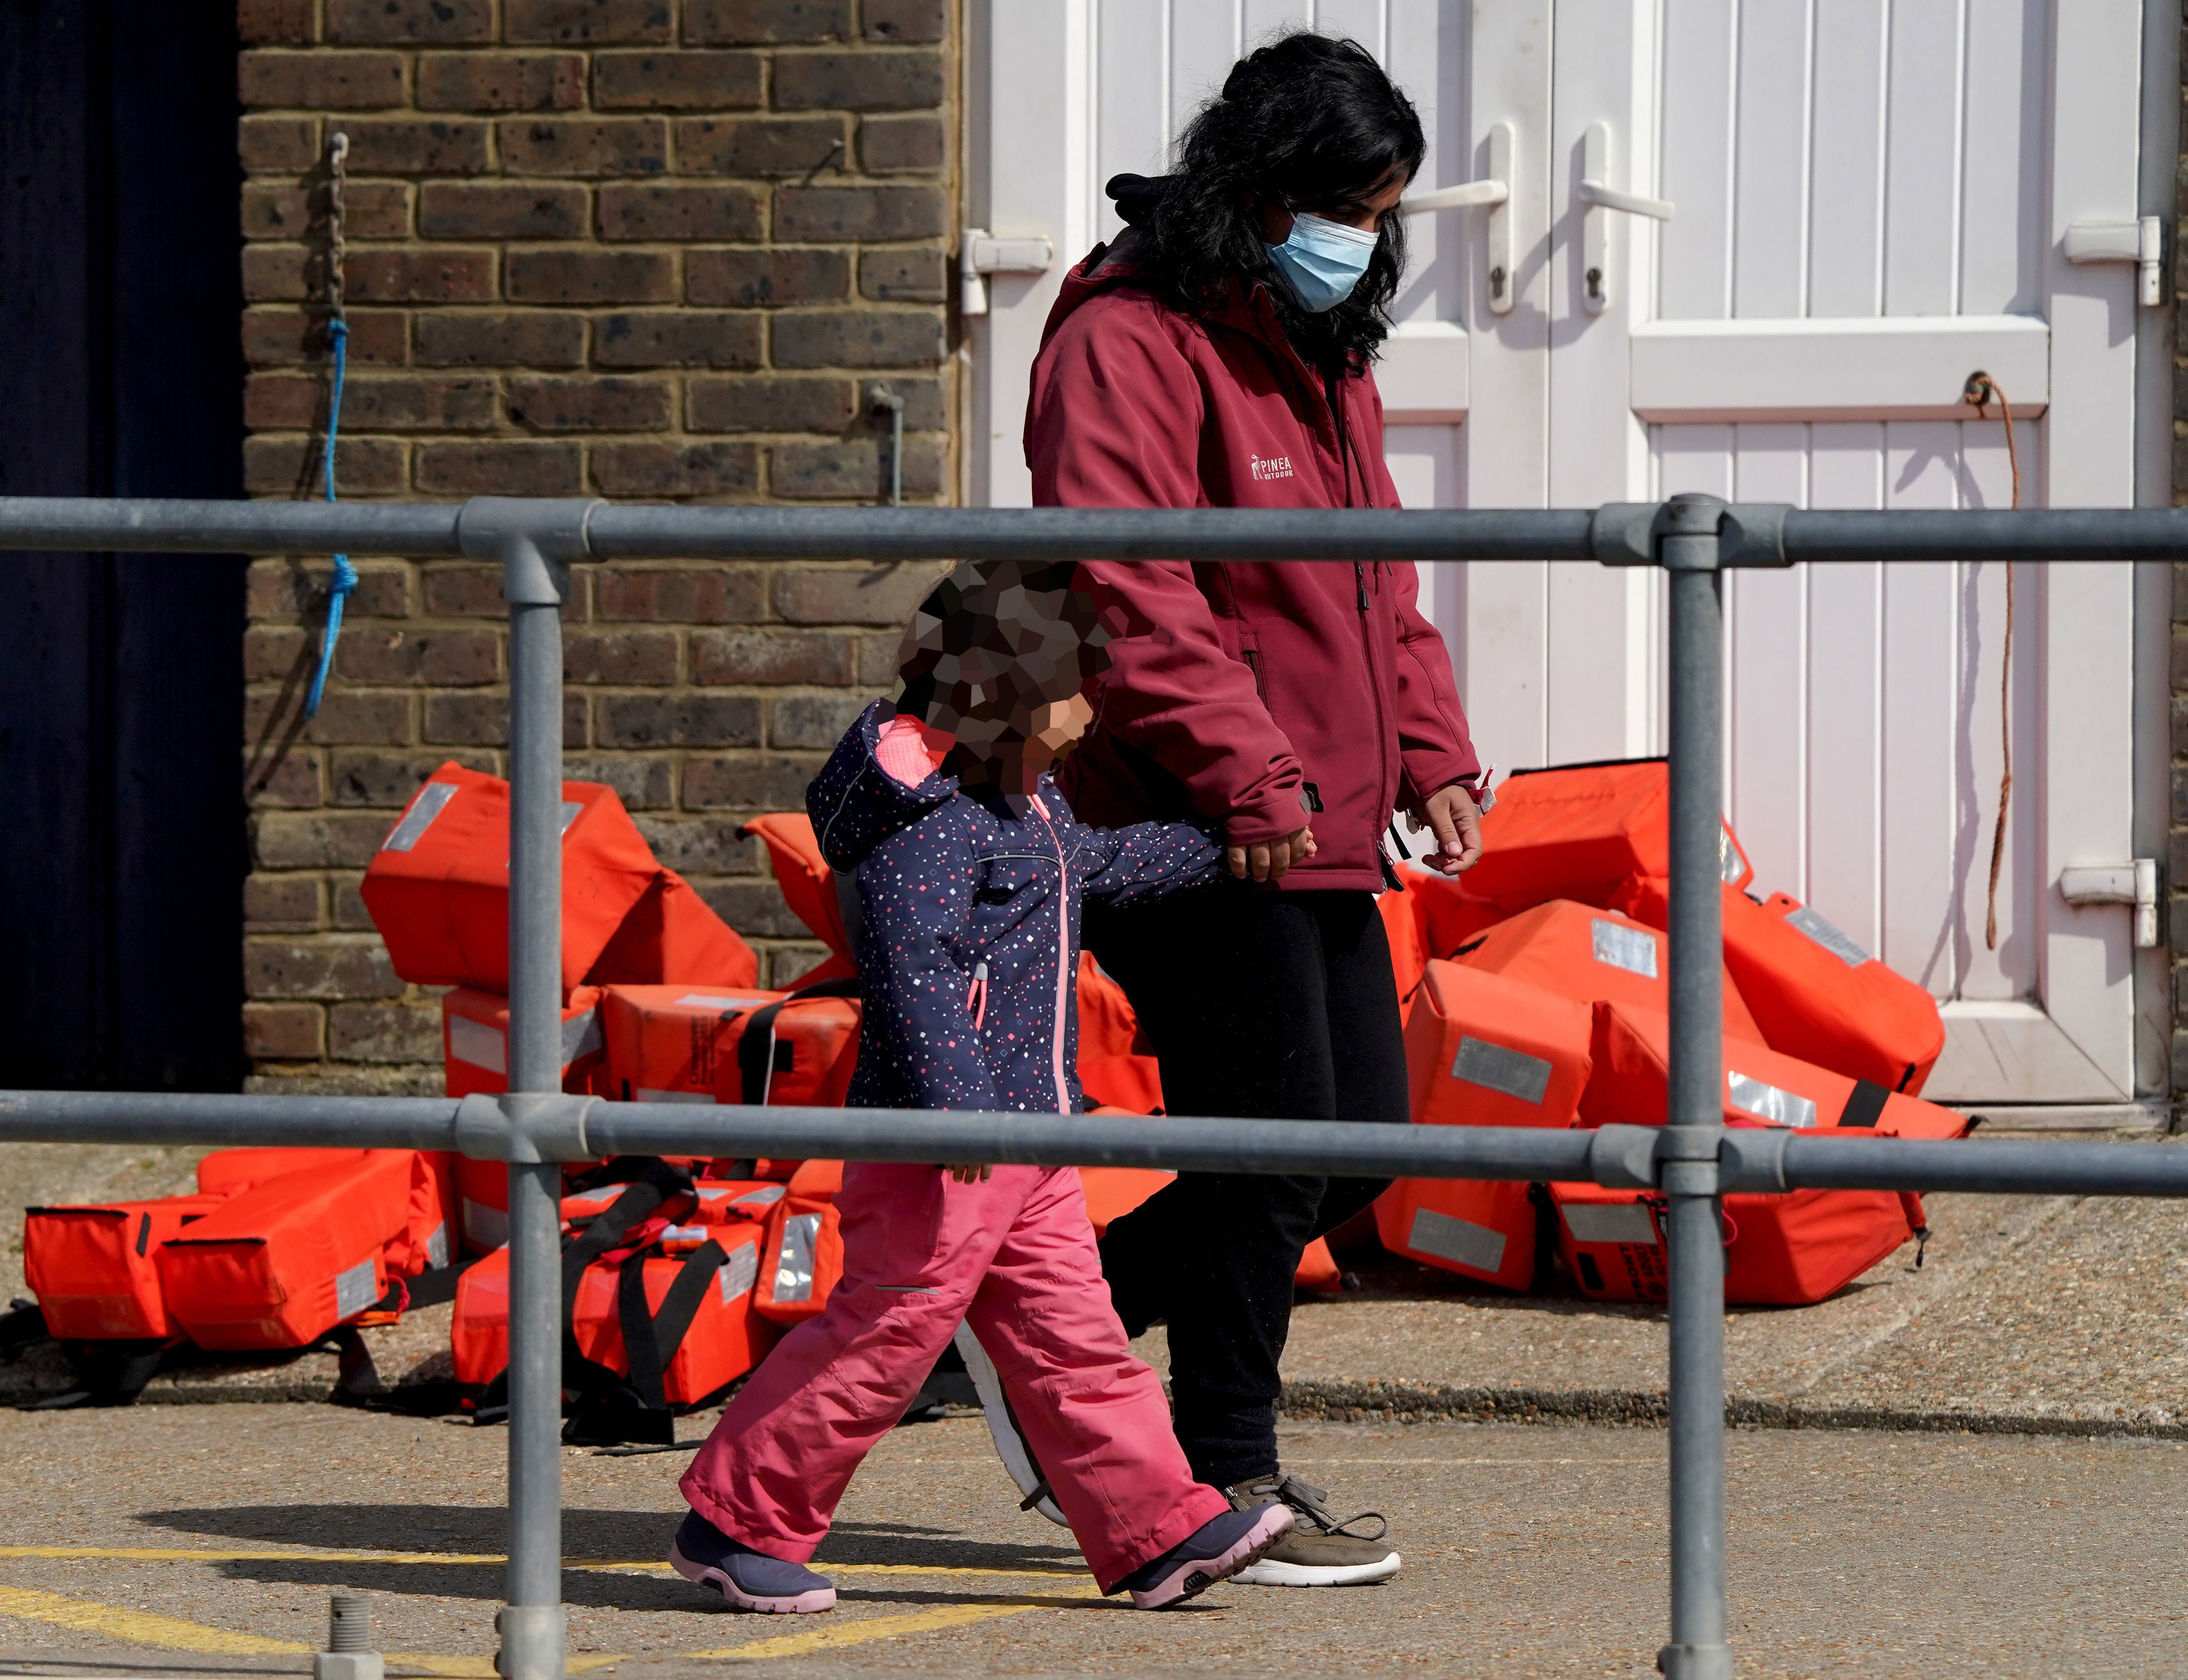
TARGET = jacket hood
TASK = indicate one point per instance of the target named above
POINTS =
(1244, 306)
(855, 804)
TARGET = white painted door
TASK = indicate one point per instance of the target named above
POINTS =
(1869, 203)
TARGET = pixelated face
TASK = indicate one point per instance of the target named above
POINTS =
(998, 656)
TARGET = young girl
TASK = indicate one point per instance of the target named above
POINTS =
(961, 871)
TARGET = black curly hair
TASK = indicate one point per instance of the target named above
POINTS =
(1310, 123)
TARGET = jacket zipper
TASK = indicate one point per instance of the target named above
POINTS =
(1062, 960)
(1367, 631)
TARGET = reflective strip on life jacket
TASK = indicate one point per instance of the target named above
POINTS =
(1481, 1228)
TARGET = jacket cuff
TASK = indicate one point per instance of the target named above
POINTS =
(1428, 774)
(1282, 813)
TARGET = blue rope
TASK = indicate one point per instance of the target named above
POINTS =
(345, 577)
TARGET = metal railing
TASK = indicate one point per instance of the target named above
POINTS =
(1692, 1162)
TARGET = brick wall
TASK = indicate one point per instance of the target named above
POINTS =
(647, 248)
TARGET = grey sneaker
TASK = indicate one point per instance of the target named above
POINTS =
(1011, 1445)
(1321, 1550)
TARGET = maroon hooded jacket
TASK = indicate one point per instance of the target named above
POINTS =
(1260, 695)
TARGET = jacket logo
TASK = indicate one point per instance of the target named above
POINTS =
(1266, 467)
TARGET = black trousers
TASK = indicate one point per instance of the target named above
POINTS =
(1268, 1006)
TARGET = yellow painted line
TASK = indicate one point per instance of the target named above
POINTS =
(172, 1633)
(482, 1668)
(178, 1554)
(139, 1627)
(215, 1555)
(860, 1632)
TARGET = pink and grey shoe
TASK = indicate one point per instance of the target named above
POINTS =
(1214, 1551)
(748, 1580)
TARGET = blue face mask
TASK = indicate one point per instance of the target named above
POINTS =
(1323, 261)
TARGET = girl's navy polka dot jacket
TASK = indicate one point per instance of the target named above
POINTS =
(962, 907)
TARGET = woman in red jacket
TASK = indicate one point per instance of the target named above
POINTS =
(1218, 356)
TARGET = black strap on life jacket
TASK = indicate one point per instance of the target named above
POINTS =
(653, 1182)
(1866, 1105)
(650, 1340)
(759, 1057)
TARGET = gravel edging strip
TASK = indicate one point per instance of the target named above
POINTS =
(1375, 1402)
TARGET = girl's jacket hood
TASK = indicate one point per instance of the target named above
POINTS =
(963, 915)
(855, 804)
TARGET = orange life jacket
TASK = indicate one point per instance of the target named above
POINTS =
(802, 1261)
(280, 1264)
(1814, 992)
(1786, 1250)
(1117, 1065)
(679, 1044)
(438, 886)
(427, 1239)
(475, 1040)
(1629, 1081)
(672, 937)
(94, 1269)
(1483, 1049)
(808, 884)
(700, 1332)
(664, 1043)
(1580, 951)
(475, 1059)
(1409, 951)
(1580, 832)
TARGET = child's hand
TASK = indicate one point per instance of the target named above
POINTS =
(970, 1174)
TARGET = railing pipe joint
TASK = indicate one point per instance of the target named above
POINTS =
(1624, 1157)
(1753, 1161)
(1687, 1160)
(526, 1127)
(533, 541)
(1631, 534)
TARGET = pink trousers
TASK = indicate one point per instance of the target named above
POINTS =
(1016, 1258)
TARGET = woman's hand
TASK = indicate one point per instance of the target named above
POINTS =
(970, 1174)
(1270, 860)
(1455, 821)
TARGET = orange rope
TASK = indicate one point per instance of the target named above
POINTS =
(1979, 393)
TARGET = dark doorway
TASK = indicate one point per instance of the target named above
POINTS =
(122, 847)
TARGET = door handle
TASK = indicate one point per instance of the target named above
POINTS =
(981, 253)
(1595, 191)
(2140, 242)
(1493, 193)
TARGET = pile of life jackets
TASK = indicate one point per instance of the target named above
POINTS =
(277, 1249)
(678, 1275)
(1534, 993)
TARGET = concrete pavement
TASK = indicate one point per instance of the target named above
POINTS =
(205, 1540)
